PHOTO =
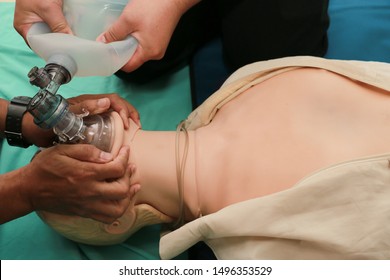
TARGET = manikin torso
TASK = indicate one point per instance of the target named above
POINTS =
(263, 141)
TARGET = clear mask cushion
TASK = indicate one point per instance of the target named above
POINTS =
(99, 131)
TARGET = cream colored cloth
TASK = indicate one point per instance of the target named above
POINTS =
(374, 73)
(341, 212)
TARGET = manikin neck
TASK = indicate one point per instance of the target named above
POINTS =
(154, 155)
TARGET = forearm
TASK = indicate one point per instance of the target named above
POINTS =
(13, 203)
(13, 200)
(185, 5)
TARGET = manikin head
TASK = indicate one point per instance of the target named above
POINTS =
(92, 232)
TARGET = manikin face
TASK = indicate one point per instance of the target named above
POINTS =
(92, 232)
(117, 133)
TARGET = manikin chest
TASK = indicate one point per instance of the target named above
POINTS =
(277, 132)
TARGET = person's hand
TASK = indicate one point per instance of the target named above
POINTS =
(151, 23)
(99, 103)
(93, 103)
(28, 12)
(79, 180)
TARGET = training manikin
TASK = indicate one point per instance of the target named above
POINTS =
(243, 158)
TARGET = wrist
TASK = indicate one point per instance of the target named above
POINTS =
(3, 115)
(13, 123)
(33, 134)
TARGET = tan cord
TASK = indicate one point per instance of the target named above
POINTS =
(180, 169)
